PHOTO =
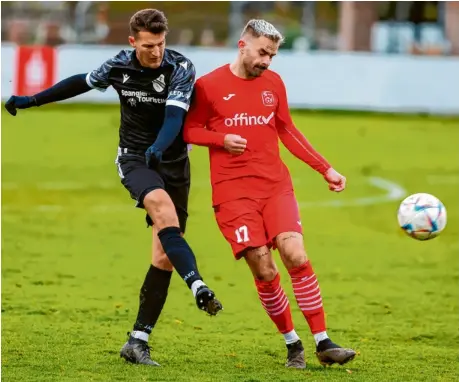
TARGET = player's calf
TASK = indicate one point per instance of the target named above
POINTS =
(159, 258)
(162, 211)
(275, 302)
(309, 299)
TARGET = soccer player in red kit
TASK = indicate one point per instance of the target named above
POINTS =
(240, 111)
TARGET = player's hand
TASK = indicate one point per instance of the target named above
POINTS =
(153, 156)
(235, 144)
(19, 102)
(336, 181)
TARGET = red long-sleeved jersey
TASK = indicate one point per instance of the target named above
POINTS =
(257, 110)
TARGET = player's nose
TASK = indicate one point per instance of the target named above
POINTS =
(156, 51)
(266, 62)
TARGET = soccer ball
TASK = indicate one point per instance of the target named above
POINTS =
(422, 216)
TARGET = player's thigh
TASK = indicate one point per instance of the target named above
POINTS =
(241, 223)
(283, 225)
(261, 263)
(159, 258)
(137, 178)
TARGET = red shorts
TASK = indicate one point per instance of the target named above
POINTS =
(252, 223)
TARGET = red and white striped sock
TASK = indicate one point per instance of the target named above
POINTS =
(276, 304)
(307, 294)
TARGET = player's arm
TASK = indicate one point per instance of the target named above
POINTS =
(300, 147)
(195, 130)
(65, 89)
(177, 105)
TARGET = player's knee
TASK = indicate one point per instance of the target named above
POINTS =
(295, 258)
(291, 249)
(261, 264)
(161, 209)
(266, 273)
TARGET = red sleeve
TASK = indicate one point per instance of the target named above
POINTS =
(293, 139)
(194, 130)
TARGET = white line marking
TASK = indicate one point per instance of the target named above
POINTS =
(61, 186)
(57, 208)
(79, 186)
(107, 185)
(394, 192)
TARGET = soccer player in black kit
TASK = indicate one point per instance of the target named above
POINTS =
(154, 85)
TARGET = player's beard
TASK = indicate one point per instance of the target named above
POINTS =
(259, 70)
(254, 70)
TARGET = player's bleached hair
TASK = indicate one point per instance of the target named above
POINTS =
(258, 28)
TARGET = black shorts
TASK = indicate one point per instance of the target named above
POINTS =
(173, 177)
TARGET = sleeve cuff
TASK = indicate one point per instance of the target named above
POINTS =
(183, 105)
(91, 85)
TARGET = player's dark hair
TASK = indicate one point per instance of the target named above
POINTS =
(149, 20)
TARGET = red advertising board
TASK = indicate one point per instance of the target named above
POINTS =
(35, 69)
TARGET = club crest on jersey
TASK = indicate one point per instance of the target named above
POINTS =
(159, 84)
(268, 98)
(131, 101)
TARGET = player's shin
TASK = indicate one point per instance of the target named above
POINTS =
(307, 294)
(276, 304)
(181, 256)
(152, 297)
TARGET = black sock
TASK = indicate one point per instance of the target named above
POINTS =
(152, 298)
(180, 254)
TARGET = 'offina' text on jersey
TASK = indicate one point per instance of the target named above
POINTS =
(144, 93)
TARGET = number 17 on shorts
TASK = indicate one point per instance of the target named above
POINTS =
(242, 234)
(248, 223)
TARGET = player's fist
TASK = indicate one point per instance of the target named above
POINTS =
(235, 144)
(19, 102)
(153, 157)
(336, 181)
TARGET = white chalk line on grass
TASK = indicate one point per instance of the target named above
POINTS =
(393, 192)
(78, 186)
(202, 183)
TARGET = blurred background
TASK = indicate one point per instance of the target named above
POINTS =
(403, 27)
(398, 56)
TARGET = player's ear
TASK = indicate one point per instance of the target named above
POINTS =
(241, 44)
(132, 41)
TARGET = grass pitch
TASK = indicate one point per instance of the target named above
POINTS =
(75, 252)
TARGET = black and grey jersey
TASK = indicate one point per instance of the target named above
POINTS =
(144, 93)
